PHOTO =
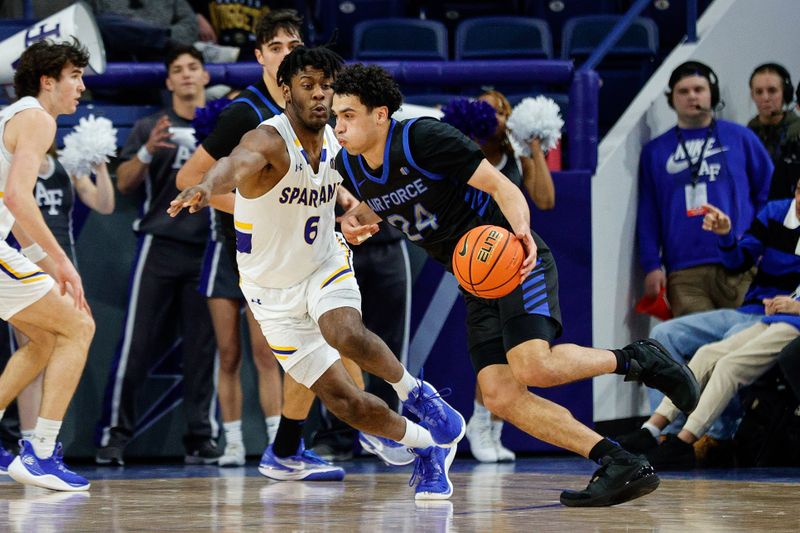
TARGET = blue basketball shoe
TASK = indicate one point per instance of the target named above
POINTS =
(5, 460)
(430, 473)
(390, 452)
(446, 425)
(50, 473)
(303, 465)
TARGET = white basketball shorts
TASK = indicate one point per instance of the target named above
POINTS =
(289, 317)
(22, 283)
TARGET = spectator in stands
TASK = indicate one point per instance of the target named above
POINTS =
(702, 160)
(231, 23)
(772, 91)
(165, 275)
(742, 343)
(144, 30)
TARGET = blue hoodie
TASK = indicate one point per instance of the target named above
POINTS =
(736, 169)
(772, 243)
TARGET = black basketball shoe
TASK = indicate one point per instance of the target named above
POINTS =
(650, 363)
(638, 441)
(672, 454)
(618, 480)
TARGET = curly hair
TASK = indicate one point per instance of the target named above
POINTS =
(270, 24)
(46, 58)
(373, 85)
(301, 57)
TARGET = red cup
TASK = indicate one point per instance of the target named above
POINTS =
(656, 306)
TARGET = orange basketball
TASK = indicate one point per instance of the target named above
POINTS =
(486, 261)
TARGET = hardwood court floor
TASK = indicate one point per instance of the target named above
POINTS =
(374, 498)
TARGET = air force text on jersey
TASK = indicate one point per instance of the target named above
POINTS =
(398, 196)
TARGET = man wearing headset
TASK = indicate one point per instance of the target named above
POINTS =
(772, 92)
(700, 161)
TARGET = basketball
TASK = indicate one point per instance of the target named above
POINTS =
(486, 261)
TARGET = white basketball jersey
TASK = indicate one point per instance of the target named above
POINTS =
(283, 236)
(27, 102)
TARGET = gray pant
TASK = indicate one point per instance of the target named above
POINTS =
(723, 367)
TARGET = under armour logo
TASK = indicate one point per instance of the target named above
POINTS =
(298, 167)
(28, 460)
(256, 301)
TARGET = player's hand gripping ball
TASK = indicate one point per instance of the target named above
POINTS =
(486, 261)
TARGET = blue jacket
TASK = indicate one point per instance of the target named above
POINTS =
(771, 243)
(736, 170)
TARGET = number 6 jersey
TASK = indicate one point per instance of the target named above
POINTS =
(284, 235)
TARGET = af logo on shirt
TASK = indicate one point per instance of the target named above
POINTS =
(51, 198)
(678, 162)
(185, 142)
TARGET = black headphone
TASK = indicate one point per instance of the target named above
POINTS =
(797, 94)
(694, 68)
(786, 78)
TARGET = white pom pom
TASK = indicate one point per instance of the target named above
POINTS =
(539, 118)
(92, 141)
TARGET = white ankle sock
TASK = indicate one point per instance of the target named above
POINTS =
(2, 412)
(480, 412)
(233, 431)
(404, 387)
(654, 431)
(27, 434)
(44, 437)
(416, 436)
(272, 423)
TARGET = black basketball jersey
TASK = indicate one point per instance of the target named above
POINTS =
(421, 188)
(253, 106)
(56, 198)
(159, 184)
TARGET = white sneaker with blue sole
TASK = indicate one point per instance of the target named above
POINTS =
(303, 465)
(50, 473)
(390, 452)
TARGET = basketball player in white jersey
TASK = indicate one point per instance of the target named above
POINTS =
(48, 82)
(297, 276)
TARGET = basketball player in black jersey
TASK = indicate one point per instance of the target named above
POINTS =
(431, 182)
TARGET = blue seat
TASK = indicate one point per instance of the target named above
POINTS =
(503, 37)
(341, 16)
(581, 35)
(557, 13)
(400, 38)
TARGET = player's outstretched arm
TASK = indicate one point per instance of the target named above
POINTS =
(513, 205)
(192, 172)
(242, 166)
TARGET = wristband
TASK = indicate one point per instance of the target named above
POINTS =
(143, 155)
(34, 253)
